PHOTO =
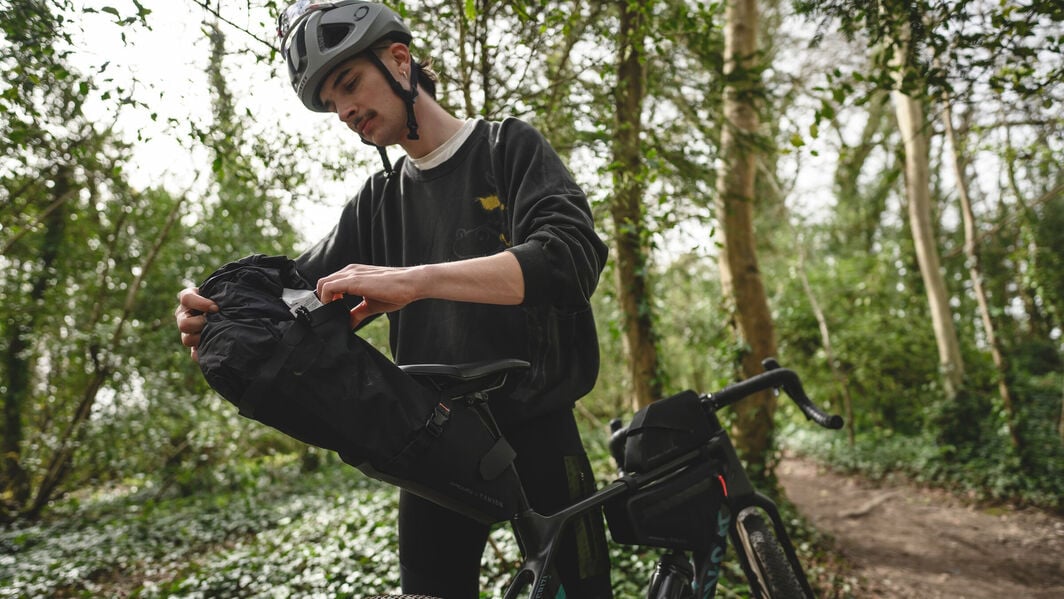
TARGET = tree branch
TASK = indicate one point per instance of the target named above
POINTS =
(1049, 195)
(218, 15)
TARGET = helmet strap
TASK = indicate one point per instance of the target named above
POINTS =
(384, 159)
(407, 95)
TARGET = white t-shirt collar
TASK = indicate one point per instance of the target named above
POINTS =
(446, 150)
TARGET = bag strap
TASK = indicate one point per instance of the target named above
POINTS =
(296, 337)
(492, 464)
(423, 438)
(268, 371)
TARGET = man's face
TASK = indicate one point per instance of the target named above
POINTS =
(358, 93)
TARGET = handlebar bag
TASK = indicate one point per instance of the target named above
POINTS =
(665, 429)
(296, 366)
(682, 510)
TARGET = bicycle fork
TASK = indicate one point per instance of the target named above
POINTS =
(678, 576)
(744, 497)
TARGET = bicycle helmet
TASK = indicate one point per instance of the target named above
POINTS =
(316, 37)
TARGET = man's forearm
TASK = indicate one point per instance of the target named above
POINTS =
(495, 279)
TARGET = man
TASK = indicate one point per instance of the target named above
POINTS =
(477, 245)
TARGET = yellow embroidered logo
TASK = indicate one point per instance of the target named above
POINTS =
(490, 203)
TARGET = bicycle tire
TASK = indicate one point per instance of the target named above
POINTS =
(775, 576)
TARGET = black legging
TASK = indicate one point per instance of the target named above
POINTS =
(440, 550)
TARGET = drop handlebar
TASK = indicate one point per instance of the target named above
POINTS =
(774, 377)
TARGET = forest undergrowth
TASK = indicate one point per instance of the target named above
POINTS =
(304, 525)
(988, 472)
(277, 530)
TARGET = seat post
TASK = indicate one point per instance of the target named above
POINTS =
(470, 385)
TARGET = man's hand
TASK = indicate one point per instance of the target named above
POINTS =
(383, 289)
(190, 317)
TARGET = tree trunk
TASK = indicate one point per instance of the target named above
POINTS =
(60, 464)
(463, 67)
(976, 275)
(1039, 318)
(860, 211)
(16, 490)
(627, 209)
(911, 124)
(15, 487)
(918, 193)
(739, 271)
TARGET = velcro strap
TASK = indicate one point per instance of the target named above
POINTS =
(497, 460)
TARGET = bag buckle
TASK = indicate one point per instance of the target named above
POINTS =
(439, 417)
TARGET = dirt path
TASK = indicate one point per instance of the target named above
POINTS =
(907, 542)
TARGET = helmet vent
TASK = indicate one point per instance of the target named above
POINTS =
(297, 55)
(331, 34)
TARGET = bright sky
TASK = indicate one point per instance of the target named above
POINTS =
(168, 64)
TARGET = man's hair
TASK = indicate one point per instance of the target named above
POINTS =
(427, 77)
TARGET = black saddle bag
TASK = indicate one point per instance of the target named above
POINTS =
(301, 370)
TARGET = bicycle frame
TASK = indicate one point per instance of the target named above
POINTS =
(538, 535)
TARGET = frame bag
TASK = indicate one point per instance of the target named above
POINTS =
(297, 366)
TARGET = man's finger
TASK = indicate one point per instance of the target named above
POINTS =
(192, 301)
(188, 323)
(360, 313)
(191, 339)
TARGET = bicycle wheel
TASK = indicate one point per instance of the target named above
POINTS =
(773, 571)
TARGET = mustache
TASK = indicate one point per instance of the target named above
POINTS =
(362, 118)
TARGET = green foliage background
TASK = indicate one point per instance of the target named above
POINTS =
(123, 473)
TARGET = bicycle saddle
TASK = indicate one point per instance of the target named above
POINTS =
(466, 378)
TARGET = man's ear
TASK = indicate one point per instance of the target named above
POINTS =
(400, 53)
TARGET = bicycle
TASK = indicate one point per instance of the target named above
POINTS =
(682, 489)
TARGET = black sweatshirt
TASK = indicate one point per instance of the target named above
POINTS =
(504, 190)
